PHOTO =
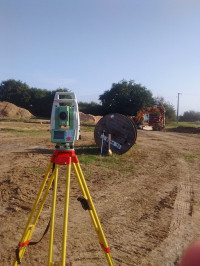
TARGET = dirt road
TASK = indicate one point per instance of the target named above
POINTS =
(148, 200)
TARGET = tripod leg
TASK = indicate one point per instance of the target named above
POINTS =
(66, 210)
(53, 215)
(65, 223)
(93, 213)
(33, 218)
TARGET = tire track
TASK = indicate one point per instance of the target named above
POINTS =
(180, 231)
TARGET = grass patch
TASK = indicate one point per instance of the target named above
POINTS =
(87, 159)
(117, 163)
(190, 157)
(114, 162)
(36, 170)
(129, 169)
(9, 119)
(104, 161)
(171, 125)
(184, 127)
(87, 128)
(22, 131)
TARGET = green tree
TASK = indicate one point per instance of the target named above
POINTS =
(37, 101)
(190, 116)
(15, 92)
(170, 110)
(126, 97)
(41, 102)
(90, 108)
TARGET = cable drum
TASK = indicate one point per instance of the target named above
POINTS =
(122, 130)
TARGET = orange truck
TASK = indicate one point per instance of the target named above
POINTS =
(151, 116)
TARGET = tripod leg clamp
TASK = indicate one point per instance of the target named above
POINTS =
(84, 203)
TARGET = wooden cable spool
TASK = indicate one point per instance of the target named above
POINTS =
(123, 133)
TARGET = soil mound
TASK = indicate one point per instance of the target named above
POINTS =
(87, 118)
(190, 130)
(9, 110)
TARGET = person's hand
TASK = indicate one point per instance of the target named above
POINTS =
(191, 256)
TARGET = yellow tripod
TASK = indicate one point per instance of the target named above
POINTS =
(68, 158)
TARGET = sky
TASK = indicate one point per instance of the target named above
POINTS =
(87, 45)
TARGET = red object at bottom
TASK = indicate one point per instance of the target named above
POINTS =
(107, 250)
(21, 245)
(64, 157)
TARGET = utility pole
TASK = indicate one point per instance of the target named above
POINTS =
(178, 106)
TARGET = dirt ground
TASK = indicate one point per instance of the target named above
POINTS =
(148, 204)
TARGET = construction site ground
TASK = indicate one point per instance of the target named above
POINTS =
(148, 199)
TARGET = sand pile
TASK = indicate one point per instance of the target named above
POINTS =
(9, 110)
(87, 118)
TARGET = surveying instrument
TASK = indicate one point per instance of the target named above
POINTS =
(65, 129)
